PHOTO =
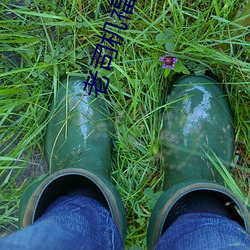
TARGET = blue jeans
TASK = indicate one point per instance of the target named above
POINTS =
(204, 231)
(80, 222)
(70, 223)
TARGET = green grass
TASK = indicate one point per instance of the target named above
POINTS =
(52, 40)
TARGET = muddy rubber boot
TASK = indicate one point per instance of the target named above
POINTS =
(78, 149)
(197, 125)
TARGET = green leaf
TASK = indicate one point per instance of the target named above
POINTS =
(80, 56)
(179, 67)
(169, 33)
(62, 49)
(200, 70)
(185, 71)
(85, 24)
(34, 74)
(166, 72)
(41, 77)
(169, 46)
(160, 38)
(79, 18)
(151, 203)
(40, 70)
(47, 58)
(191, 65)
(148, 192)
(166, 38)
(79, 25)
(154, 198)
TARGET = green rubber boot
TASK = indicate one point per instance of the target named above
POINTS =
(198, 122)
(78, 149)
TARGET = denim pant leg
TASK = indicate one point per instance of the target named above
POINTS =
(76, 222)
(204, 231)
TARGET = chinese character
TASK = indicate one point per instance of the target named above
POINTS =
(119, 15)
(109, 40)
(116, 26)
(93, 84)
(127, 7)
(105, 56)
(117, 4)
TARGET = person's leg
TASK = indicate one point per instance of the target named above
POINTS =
(204, 231)
(71, 222)
(197, 136)
(78, 149)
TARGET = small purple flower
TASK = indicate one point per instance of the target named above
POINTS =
(169, 61)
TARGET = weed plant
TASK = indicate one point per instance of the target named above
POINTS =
(45, 41)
